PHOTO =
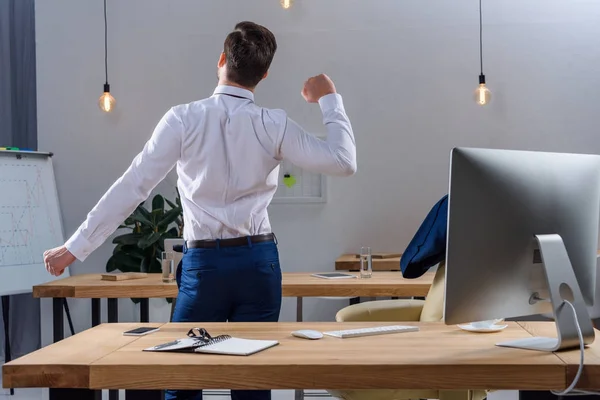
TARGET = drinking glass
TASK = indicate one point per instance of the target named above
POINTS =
(366, 262)
(167, 264)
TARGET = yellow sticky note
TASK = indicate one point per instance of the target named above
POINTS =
(289, 180)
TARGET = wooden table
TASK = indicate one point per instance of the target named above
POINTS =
(350, 262)
(436, 357)
(299, 285)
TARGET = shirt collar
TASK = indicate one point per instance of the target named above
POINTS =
(234, 91)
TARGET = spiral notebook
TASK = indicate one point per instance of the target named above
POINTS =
(223, 344)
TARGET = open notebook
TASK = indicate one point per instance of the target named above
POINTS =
(223, 344)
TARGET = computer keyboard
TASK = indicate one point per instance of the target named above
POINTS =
(378, 330)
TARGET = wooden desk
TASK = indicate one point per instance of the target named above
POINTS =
(436, 357)
(591, 374)
(299, 285)
(349, 262)
(294, 284)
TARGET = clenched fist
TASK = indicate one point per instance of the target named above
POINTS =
(317, 87)
(57, 259)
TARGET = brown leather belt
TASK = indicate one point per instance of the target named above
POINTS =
(239, 241)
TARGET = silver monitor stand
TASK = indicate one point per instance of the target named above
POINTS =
(562, 285)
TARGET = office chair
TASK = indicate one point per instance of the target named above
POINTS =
(428, 310)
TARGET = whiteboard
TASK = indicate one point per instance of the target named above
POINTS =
(309, 187)
(30, 221)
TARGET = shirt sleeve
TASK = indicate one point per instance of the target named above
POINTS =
(148, 168)
(334, 156)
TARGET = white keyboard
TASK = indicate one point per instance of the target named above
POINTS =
(378, 330)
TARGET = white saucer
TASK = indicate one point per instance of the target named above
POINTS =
(493, 328)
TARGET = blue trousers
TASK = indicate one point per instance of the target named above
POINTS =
(235, 284)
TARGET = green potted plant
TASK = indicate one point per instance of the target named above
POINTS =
(140, 249)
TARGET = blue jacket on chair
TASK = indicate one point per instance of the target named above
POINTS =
(428, 247)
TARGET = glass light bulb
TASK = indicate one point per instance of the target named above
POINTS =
(286, 4)
(107, 102)
(482, 95)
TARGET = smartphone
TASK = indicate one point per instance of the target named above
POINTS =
(334, 275)
(140, 331)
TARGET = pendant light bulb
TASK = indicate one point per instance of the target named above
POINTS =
(106, 102)
(287, 4)
(482, 93)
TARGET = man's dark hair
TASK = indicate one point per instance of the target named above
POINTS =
(249, 50)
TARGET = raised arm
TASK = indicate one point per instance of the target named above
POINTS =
(337, 154)
(148, 168)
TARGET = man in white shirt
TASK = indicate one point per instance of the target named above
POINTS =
(227, 151)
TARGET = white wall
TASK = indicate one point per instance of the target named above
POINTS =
(406, 70)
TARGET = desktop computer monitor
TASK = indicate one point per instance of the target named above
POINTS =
(523, 238)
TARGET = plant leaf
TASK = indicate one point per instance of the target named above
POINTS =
(133, 251)
(158, 203)
(123, 262)
(170, 203)
(148, 240)
(111, 265)
(155, 266)
(145, 264)
(178, 198)
(128, 238)
(143, 217)
(142, 210)
(170, 216)
(172, 233)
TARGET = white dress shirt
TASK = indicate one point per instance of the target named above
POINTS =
(227, 150)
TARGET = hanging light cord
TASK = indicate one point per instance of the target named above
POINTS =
(105, 44)
(480, 38)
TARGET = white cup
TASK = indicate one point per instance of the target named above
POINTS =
(486, 324)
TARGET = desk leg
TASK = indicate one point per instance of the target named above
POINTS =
(96, 320)
(96, 312)
(299, 394)
(144, 310)
(6, 319)
(542, 395)
(299, 314)
(173, 304)
(113, 310)
(144, 395)
(113, 317)
(74, 394)
(58, 319)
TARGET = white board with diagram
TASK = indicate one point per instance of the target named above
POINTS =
(299, 186)
(30, 221)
